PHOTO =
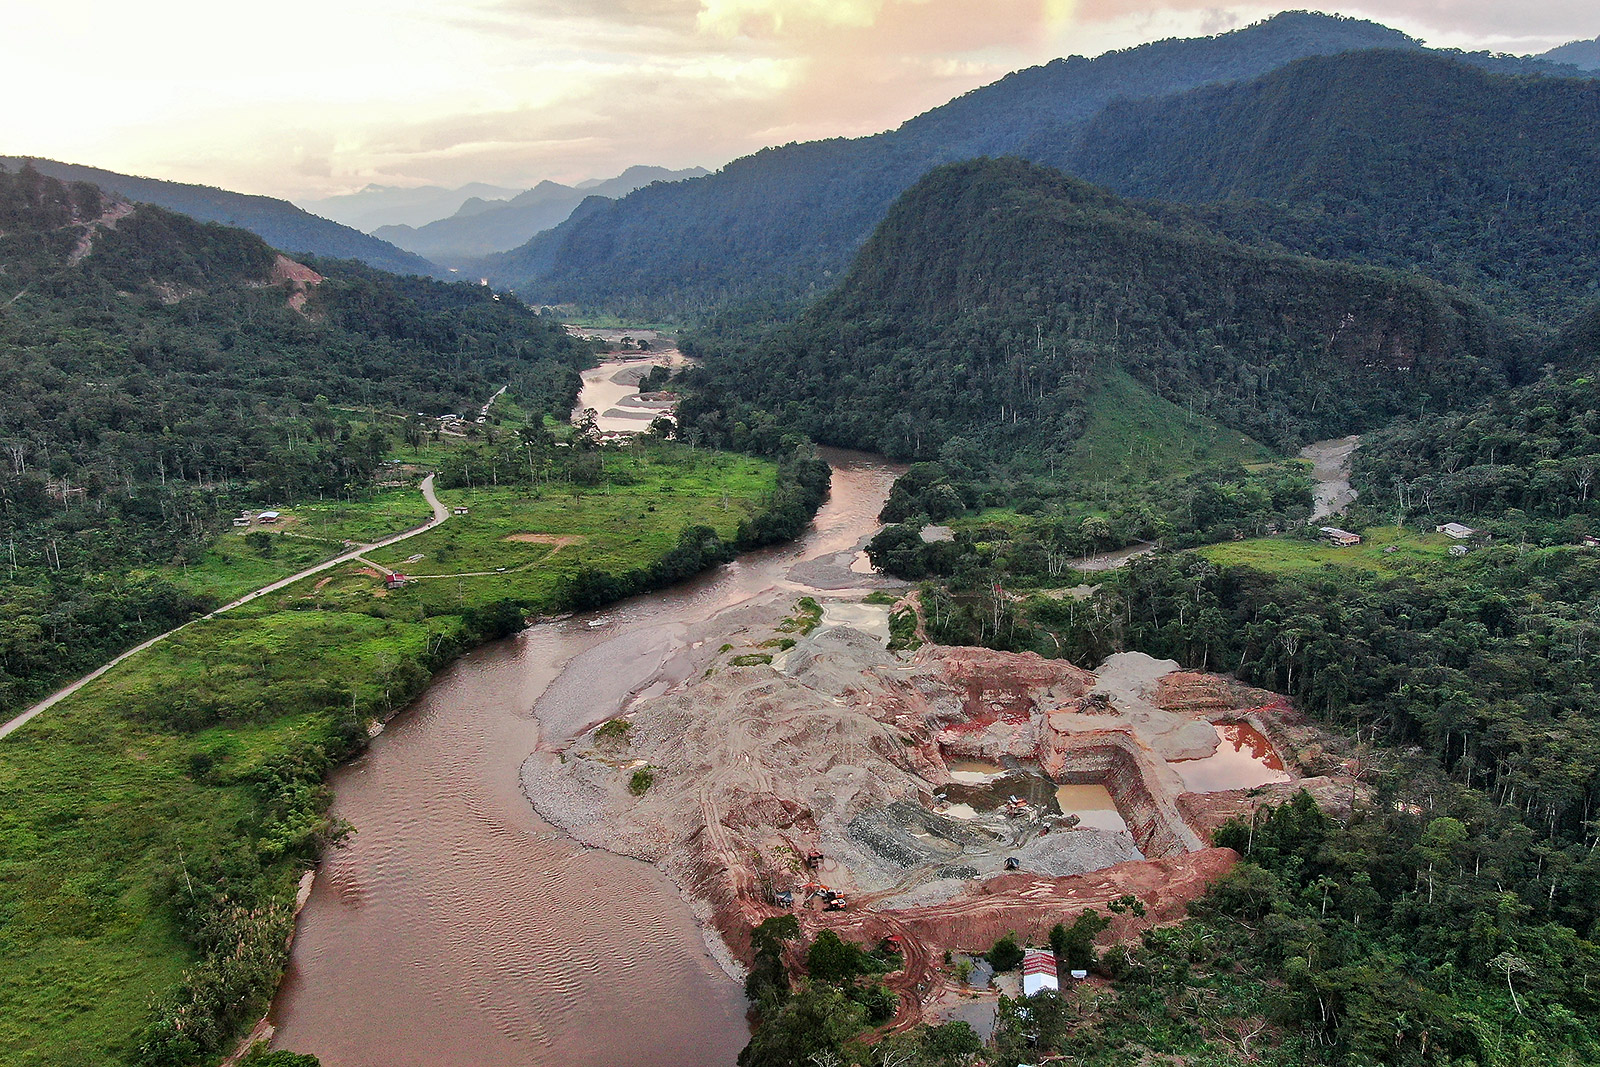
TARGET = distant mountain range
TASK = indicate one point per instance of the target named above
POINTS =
(780, 224)
(481, 226)
(388, 205)
(277, 222)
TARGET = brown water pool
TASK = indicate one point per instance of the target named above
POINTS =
(1243, 760)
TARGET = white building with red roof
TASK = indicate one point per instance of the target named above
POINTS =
(1038, 971)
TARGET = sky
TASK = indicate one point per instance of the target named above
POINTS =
(303, 101)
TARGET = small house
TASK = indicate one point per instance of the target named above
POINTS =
(1342, 538)
(1455, 530)
(242, 520)
(396, 580)
(1038, 971)
(1458, 550)
(1591, 541)
(458, 510)
(268, 516)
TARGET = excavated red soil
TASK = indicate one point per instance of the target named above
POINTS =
(1026, 906)
(756, 767)
(297, 276)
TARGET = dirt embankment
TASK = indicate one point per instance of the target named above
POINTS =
(1330, 471)
(297, 277)
(840, 768)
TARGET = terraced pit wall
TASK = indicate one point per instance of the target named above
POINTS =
(1120, 772)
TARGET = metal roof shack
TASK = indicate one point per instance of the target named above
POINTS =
(1038, 971)
(268, 516)
(1342, 538)
(1455, 530)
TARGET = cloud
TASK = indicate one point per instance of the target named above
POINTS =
(730, 17)
(513, 91)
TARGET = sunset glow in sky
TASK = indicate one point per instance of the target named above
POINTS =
(310, 100)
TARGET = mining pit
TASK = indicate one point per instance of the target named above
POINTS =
(947, 796)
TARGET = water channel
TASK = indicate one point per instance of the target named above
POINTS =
(457, 928)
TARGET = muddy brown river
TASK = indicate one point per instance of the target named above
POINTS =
(457, 929)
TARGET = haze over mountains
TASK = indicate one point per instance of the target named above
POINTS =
(484, 224)
(389, 205)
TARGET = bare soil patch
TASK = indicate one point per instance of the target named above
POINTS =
(842, 750)
(556, 541)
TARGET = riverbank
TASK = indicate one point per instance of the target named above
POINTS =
(202, 763)
(457, 926)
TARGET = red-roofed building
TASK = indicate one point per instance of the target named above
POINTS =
(1038, 971)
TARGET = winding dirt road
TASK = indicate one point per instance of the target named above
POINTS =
(440, 514)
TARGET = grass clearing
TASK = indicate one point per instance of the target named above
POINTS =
(657, 491)
(308, 534)
(1287, 555)
(109, 796)
(1133, 435)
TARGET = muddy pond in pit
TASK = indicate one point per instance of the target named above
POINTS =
(977, 786)
(457, 929)
(1243, 760)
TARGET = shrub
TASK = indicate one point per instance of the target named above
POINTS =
(642, 780)
(1006, 954)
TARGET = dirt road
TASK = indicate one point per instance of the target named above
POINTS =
(1330, 469)
(440, 514)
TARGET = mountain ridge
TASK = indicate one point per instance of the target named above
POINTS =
(279, 223)
(799, 212)
(1402, 159)
(482, 227)
(994, 289)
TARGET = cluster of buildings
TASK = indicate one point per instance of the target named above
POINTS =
(1453, 530)
(249, 518)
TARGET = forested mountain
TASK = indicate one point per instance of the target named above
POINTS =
(994, 289)
(277, 222)
(1522, 464)
(156, 371)
(784, 220)
(480, 226)
(1484, 181)
(1585, 55)
(780, 223)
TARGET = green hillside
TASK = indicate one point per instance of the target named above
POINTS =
(1133, 436)
(1480, 180)
(277, 222)
(995, 291)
